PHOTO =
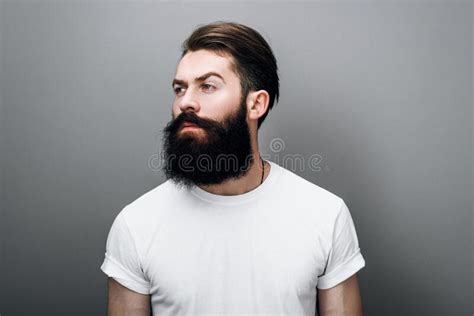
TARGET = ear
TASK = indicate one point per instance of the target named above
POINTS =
(257, 104)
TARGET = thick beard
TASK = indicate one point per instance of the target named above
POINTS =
(212, 155)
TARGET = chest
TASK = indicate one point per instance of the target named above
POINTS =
(241, 263)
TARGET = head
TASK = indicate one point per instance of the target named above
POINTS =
(225, 84)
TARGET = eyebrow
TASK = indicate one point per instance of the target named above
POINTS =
(198, 79)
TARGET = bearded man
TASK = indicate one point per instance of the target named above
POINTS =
(228, 232)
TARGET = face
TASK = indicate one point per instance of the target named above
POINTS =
(208, 139)
(206, 84)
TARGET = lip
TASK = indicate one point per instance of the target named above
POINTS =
(187, 124)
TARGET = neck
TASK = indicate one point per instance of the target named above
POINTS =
(246, 183)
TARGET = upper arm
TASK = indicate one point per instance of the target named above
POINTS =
(123, 301)
(342, 299)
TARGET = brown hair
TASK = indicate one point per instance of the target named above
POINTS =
(253, 59)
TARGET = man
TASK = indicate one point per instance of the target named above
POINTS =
(229, 233)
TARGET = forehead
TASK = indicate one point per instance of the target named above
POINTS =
(195, 64)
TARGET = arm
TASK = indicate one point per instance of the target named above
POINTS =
(123, 302)
(342, 299)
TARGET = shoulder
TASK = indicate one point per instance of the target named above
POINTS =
(145, 213)
(304, 191)
(307, 203)
(159, 195)
(143, 217)
(309, 207)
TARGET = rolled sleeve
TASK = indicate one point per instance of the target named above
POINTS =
(122, 261)
(345, 257)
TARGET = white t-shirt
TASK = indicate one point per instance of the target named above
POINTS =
(264, 252)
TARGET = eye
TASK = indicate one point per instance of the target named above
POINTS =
(208, 87)
(177, 90)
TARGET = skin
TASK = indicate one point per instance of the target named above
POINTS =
(341, 300)
(217, 96)
(122, 301)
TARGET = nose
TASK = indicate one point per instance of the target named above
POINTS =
(189, 102)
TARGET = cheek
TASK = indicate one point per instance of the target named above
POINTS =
(175, 110)
(219, 105)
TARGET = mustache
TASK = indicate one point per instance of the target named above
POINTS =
(191, 117)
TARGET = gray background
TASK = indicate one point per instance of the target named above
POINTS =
(381, 91)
